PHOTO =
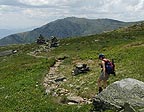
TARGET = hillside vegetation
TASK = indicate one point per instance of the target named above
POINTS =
(67, 27)
(22, 75)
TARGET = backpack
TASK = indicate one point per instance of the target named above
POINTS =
(110, 66)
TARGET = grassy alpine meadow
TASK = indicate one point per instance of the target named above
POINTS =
(21, 88)
(22, 75)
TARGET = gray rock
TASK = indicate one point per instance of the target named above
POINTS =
(127, 91)
(128, 108)
(75, 99)
(80, 68)
(60, 79)
(141, 110)
(7, 52)
(71, 103)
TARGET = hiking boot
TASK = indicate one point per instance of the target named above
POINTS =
(114, 74)
(100, 89)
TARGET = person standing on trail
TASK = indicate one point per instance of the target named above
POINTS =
(103, 75)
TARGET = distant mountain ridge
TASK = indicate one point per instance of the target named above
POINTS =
(11, 31)
(67, 27)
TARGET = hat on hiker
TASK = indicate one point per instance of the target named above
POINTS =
(101, 56)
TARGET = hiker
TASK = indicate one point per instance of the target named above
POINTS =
(103, 75)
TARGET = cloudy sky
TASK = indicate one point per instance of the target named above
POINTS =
(28, 13)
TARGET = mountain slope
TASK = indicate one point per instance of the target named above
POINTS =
(22, 75)
(7, 32)
(67, 27)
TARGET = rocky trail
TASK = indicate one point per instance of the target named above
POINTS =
(53, 79)
(52, 83)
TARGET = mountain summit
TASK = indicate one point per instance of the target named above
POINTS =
(67, 27)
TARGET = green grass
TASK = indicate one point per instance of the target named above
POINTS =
(21, 86)
(21, 75)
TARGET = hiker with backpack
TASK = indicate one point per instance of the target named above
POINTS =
(107, 68)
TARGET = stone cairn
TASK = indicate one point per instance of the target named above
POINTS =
(54, 42)
(41, 40)
(80, 68)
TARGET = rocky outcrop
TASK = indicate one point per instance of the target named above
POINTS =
(7, 52)
(121, 95)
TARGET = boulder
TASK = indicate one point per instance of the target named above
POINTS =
(118, 95)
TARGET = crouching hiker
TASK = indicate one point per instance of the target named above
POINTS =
(107, 68)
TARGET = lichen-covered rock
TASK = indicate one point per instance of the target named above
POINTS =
(128, 90)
